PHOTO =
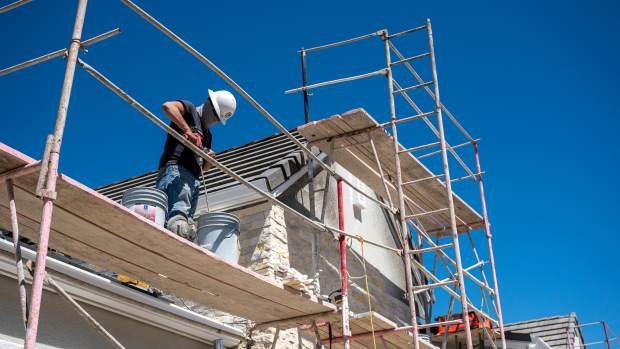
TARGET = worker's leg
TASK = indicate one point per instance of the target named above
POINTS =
(181, 187)
(194, 184)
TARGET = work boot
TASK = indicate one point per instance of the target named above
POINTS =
(193, 230)
(180, 226)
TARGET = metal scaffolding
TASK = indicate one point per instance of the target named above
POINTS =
(608, 335)
(410, 226)
(415, 239)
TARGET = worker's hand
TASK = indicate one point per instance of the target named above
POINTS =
(193, 137)
(207, 165)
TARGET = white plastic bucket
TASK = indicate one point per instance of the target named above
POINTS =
(218, 232)
(150, 203)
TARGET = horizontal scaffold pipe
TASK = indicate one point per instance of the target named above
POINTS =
(432, 127)
(247, 96)
(59, 53)
(13, 5)
(451, 147)
(268, 196)
(336, 81)
(343, 42)
(430, 92)
(432, 276)
(427, 54)
(406, 32)
(442, 254)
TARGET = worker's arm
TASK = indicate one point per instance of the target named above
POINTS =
(174, 111)
(207, 165)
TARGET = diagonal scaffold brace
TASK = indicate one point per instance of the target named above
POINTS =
(78, 308)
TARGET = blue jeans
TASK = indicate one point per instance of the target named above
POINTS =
(182, 188)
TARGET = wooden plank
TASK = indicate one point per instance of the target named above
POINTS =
(135, 264)
(431, 194)
(359, 160)
(363, 153)
(11, 159)
(95, 229)
(385, 152)
(360, 324)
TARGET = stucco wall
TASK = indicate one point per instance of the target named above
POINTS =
(270, 236)
(385, 268)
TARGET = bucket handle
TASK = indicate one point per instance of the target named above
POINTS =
(221, 238)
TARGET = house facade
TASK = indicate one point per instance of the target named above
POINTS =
(276, 244)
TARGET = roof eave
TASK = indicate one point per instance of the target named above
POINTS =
(103, 293)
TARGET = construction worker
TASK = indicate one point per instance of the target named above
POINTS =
(179, 166)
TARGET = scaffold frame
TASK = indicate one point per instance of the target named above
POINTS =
(406, 221)
(410, 226)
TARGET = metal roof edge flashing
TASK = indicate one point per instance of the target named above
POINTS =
(149, 310)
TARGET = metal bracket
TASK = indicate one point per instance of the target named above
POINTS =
(47, 194)
(45, 160)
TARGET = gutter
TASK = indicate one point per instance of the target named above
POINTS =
(105, 294)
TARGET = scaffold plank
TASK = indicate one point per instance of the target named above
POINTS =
(345, 139)
(361, 327)
(91, 227)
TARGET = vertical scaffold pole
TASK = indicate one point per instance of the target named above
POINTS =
(346, 331)
(311, 192)
(606, 334)
(304, 81)
(49, 192)
(489, 237)
(19, 265)
(448, 183)
(401, 197)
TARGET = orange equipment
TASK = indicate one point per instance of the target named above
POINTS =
(474, 322)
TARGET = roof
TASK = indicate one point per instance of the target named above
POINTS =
(553, 330)
(267, 162)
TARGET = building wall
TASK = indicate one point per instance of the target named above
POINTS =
(61, 327)
(272, 239)
(269, 235)
(265, 248)
(385, 268)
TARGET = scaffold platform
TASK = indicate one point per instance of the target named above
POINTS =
(387, 333)
(93, 228)
(346, 139)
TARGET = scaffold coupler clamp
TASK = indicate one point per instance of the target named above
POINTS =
(47, 194)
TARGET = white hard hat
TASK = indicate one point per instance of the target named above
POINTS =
(224, 104)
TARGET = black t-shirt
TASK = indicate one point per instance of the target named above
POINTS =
(187, 158)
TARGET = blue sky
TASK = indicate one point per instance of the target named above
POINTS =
(536, 80)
